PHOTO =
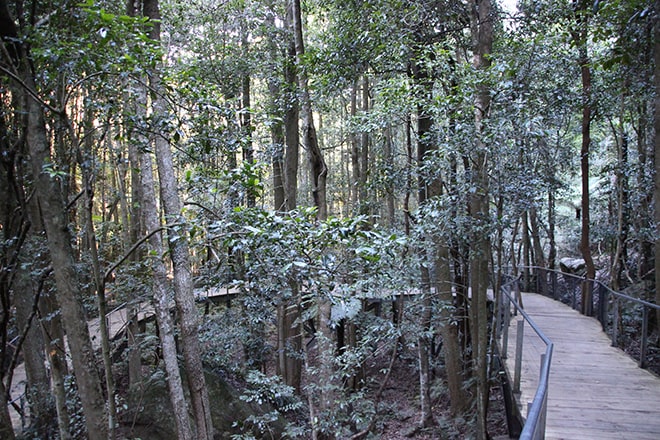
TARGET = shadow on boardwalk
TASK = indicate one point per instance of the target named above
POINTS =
(596, 391)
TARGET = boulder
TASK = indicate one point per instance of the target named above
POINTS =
(574, 266)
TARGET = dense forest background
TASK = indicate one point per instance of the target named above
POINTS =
(348, 179)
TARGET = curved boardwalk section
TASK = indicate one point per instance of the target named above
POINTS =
(596, 392)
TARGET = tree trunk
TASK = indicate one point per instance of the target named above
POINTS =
(318, 175)
(41, 405)
(6, 428)
(424, 124)
(246, 117)
(526, 251)
(364, 151)
(482, 37)
(389, 190)
(98, 278)
(55, 220)
(52, 329)
(552, 252)
(291, 123)
(162, 301)
(580, 35)
(132, 218)
(179, 251)
(69, 290)
(621, 201)
(318, 167)
(656, 126)
(277, 145)
(539, 256)
(129, 236)
(355, 151)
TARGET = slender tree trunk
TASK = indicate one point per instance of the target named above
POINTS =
(162, 301)
(621, 201)
(389, 190)
(130, 233)
(482, 37)
(277, 145)
(424, 124)
(246, 116)
(291, 122)
(364, 151)
(355, 151)
(319, 170)
(289, 330)
(539, 257)
(55, 221)
(98, 278)
(552, 252)
(41, 404)
(580, 35)
(179, 252)
(52, 329)
(526, 251)
(133, 217)
(585, 242)
(656, 126)
(6, 428)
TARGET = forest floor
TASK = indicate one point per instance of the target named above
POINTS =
(399, 406)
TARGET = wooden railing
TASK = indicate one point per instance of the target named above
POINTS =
(534, 426)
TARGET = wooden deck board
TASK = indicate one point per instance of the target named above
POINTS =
(596, 390)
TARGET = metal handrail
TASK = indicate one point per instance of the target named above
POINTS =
(534, 426)
(603, 303)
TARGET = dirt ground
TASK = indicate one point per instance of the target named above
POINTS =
(399, 407)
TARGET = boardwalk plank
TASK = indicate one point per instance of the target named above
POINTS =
(596, 390)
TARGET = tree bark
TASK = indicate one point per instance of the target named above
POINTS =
(246, 117)
(426, 183)
(69, 290)
(41, 404)
(580, 35)
(318, 167)
(482, 37)
(656, 126)
(389, 190)
(355, 151)
(179, 250)
(539, 256)
(277, 146)
(318, 175)
(162, 301)
(291, 122)
(364, 151)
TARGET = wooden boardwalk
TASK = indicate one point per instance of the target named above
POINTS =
(596, 391)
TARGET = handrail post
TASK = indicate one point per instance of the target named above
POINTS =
(519, 348)
(544, 408)
(602, 306)
(574, 289)
(499, 299)
(644, 342)
(505, 330)
(615, 324)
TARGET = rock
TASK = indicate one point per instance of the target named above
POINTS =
(575, 266)
(154, 422)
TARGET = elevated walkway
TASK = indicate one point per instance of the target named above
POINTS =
(596, 391)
